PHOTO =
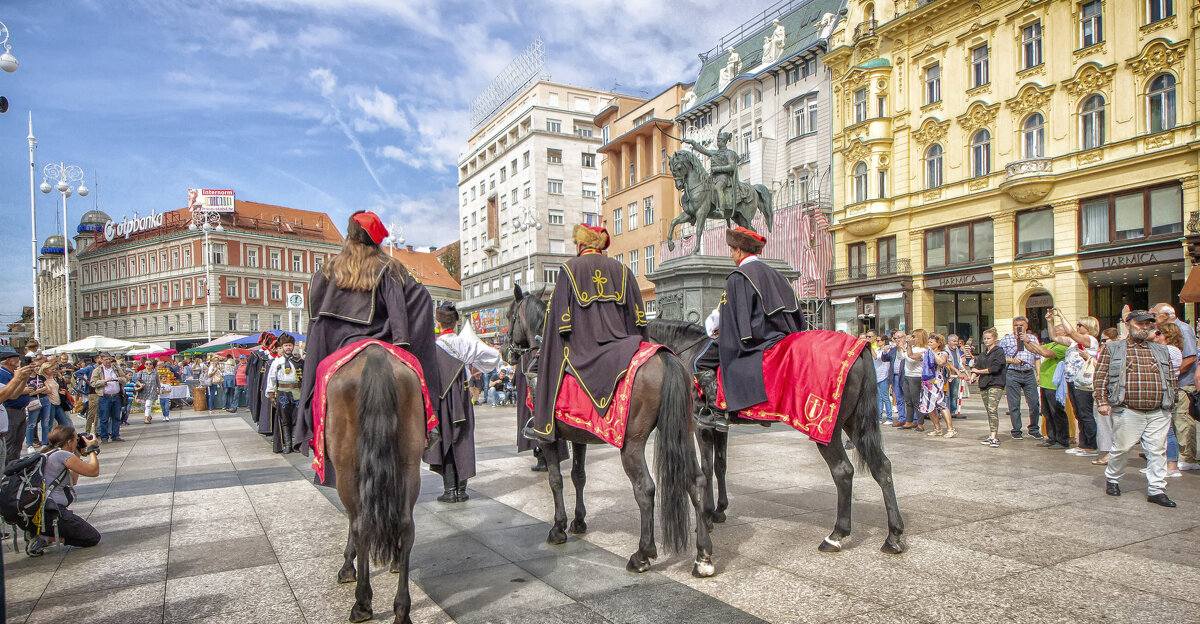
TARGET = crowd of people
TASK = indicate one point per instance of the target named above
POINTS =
(1124, 385)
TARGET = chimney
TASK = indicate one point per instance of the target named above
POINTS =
(410, 247)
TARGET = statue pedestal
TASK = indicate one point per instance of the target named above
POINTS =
(689, 288)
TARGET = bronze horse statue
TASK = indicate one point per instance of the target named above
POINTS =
(856, 416)
(699, 199)
(661, 399)
(375, 436)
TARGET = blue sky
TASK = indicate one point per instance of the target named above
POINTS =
(329, 105)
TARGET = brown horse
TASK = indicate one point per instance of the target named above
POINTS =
(374, 437)
(662, 400)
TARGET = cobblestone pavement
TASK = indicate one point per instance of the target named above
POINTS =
(203, 523)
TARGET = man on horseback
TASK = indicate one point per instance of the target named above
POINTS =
(595, 323)
(724, 170)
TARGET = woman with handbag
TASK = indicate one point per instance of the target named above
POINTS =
(212, 381)
(1083, 348)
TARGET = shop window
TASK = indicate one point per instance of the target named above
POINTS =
(1035, 233)
(1131, 216)
(1161, 95)
(981, 153)
(959, 244)
(1091, 121)
(1091, 23)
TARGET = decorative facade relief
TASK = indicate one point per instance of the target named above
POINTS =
(1159, 55)
(1033, 271)
(978, 115)
(1030, 97)
(1089, 79)
(931, 131)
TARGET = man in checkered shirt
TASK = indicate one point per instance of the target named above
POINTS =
(1021, 378)
(1135, 385)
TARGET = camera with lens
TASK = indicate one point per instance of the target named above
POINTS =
(86, 444)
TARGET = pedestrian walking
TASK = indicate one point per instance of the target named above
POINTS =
(147, 385)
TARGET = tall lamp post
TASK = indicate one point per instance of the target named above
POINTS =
(394, 238)
(66, 175)
(205, 220)
(37, 325)
(524, 223)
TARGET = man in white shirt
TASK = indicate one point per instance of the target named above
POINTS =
(283, 389)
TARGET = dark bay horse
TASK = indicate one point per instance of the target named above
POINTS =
(661, 399)
(375, 436)
(856, 416)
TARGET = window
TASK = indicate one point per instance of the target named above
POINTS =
(1031, 45)
(1160, 10)
(882, 183)
(856, 260)
(886, 251)
(554, 187)
(648, 211)
(513, 166)
(252, 257)
(649, 259)
(620, 258)
(187, 291)
(514, 197)
(633, 216)
(591, 218)
(662, 162)
(793, 76)
(318, 263)
(618, 221)
(276, 291)
(297, 262)
(604, 186)
(589, 160)
(553, 125)
(804, 116)
(525, 159)
(632, 174)
(253, 322)
(153, 295)
(556, 217)
(187, 258)
(860, 105)
(174, 292)
(528, 190)
(275, 259)
(1162, 103)
(981, 153)
(554, 156)
(1091, 23)
(933, 166)
(959, 244)
(933, 84)
(232, 321)
(583, 131)
(231, 287)
(1091, 122)
(503, 173)
(604, 134)
(860, 182)
(217, 250)
(276, 321)
(252, 289)
(589, 190)
(979, 66)
(1035, 232)
(124, 301)
(881, 106)
(1132, 215)
(634, 265)
(550, 274)
(1033, 136)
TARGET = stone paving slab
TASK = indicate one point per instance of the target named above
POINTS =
(202, 523)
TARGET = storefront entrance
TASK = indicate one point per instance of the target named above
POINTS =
(1036, 308)
(964, 313)
(1138, 279)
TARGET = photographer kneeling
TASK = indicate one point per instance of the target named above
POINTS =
(64, 452)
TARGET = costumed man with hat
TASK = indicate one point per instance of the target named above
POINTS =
(359, 294)
(283, 390)
(454, 456)
(757, 310)
(257, 365)
(595, 323)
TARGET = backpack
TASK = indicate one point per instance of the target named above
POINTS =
(24, 499)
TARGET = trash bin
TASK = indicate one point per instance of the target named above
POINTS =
(199, 399)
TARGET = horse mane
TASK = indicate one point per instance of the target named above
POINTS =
(673, 332)
(693, 160)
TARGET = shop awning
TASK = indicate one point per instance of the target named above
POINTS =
(1191, 288)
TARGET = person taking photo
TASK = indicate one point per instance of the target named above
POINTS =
(64, 455)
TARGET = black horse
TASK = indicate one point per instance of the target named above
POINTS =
(856, 417)
(661, 399)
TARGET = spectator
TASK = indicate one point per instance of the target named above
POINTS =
(147, 384)
(34, 410)
(239, 378)
(109, 383)
(477, 385)
(1185, 427)
(212, 382)
(955, 366)
(229, 383)
(90, 400)
(63, 454)
(1019, 378)
(500, 390)
(14, 424)
(883, 377)
(59, 397)
(32, 348)
(934, 370)
(1103, 421)
(1135, 384)
(991, 382)
(1168, 334)
(1058, 432)
(130, 394)
(893, 354)
(1080, 365)
(914, 352)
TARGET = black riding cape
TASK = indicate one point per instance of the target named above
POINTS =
(257, 364)
(456, 420)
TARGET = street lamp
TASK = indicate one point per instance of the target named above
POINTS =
(8, 62)
(394, 237)
(66, 175)
(524, 223)
(205, 220)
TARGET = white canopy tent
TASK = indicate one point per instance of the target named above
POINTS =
(99, 344)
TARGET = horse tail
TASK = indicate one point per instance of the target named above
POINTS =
(764, 197)
(379, 454)
(864, 423)
(675, 457)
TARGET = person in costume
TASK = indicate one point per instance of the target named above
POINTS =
(283, 391)
(595, 323)
(454, 456)
(363, 293)
(757, 310)
(257, 364)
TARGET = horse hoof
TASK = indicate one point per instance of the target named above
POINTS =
(360, 615)
(718, 516)
(652, 554)
(578, 527)
(830, 545)
(556, 537)
(394, 569)
(703, 569)
(894, 546)
(637, 564)
(343, 579)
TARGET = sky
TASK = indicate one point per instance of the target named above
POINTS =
(324, 105)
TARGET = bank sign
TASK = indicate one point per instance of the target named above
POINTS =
(126, 227)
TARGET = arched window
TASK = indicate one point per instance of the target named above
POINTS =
(1091, 121)
(869, 15)
(933, 166)
(1162, 103)
(981, 153)
(860, 182)
(1033, 136)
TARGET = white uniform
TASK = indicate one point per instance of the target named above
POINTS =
(470, 350)
(282, 370)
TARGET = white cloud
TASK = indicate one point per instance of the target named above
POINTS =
(395, 153)
(324, 80)
(383, 108)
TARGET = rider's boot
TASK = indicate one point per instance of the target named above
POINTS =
(449, 484)
(460, 493)
(532, 433)
(287, 439)
(712, 419)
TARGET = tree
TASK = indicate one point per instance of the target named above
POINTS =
(449, 257)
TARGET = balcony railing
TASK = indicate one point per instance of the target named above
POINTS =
(1030, 166)
(865, 29)
(863, 272)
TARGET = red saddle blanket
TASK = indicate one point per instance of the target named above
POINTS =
(804, 375)
(325, 371)
(574, 407)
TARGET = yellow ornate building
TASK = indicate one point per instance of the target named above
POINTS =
(996, 157)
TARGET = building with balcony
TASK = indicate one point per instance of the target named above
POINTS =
(994, 159)
(638, 194)
(51, 285)
(534, 161)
